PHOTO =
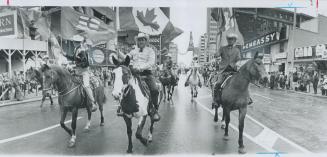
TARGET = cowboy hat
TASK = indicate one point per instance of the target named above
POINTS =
(142, 35)
(231, 35)
(46, 57)
(169, 55)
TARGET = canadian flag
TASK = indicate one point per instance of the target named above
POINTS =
(151, 21)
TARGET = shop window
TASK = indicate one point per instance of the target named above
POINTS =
(281, 47)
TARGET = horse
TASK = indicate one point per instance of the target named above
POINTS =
(235, 94)
(35, 74)
(168, 82)
(205, 75)
(194, 81)
(134, 99)
(72, 96)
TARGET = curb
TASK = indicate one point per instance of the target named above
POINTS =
(23, 101)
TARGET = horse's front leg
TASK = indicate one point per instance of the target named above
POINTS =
(63, 112)
(128, 122)
(73, 125)
(227, 116)
(241, 117)
(151, 130)
(89, 115)
(101, 113)
(139, 130)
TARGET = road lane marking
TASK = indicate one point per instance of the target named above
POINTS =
(262, 96)
(33, 133)
(269, 149)
(259, 139)
(267, 138)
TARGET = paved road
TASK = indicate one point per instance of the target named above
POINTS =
(185, 128)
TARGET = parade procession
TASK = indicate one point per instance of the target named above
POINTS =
(111, 80)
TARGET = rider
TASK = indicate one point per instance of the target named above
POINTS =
(194, 64)
(142, 61)
(230, 55)
(169, 66)
(82, 68)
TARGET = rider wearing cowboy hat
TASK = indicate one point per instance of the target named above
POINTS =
(82, 68)
(143, 60)
(230, 55)
(169, 66)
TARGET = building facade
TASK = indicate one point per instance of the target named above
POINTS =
(173, 50)
(267, 30)
(203, 57)
(212, 32)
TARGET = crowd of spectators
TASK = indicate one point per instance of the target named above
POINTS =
(298, 81)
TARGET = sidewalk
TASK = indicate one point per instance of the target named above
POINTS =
(303, 93)
(28, 98)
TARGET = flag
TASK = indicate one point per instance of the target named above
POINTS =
(230, 26)
(170, 33)
(74, 23)
(22, 24)
(218, 15)
(151, 21)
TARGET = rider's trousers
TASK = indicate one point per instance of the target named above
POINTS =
(150, 81)
(86, 83)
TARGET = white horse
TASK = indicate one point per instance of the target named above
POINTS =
(194, 82)
(134, 101)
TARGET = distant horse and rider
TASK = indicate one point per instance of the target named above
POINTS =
(72, 96)
(169, 82)
(134, 100)
(194, 82)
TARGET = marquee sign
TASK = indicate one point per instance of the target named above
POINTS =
(268, 38)
(8, 24)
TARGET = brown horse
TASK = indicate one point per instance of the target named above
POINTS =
(134, 101)
(235, 95)
(72, 96)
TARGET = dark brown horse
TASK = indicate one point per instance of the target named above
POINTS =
(72, 96)
(134, 101)
(168, 82)
(35, 74)
(235, 95)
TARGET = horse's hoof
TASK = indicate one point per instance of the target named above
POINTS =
(71, 144)
(102, 124)
(129, 151)
(226, 138)
(241, 150)
(149, 138)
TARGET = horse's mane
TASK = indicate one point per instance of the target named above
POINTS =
(62, 72)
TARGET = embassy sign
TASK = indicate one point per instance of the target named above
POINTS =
(8, 24)
(266, 39)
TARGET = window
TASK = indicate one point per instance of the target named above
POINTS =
(281, 47)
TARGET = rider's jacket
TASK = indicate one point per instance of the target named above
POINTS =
(169, 64)
(81, 60)
(144, 59)
(230, 55)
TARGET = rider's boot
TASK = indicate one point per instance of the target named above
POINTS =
(90, 95)
(154, 100)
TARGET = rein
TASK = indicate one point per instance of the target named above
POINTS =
(60, 93)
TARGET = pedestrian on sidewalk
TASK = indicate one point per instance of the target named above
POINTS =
(315, 81)
(324, 85)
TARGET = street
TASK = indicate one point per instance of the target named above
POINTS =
(276, 121)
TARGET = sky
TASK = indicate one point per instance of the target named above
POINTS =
(195, 19)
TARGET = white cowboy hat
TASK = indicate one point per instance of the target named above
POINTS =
(231, 35)
(169, 55)
(46, 57)
(142, 35)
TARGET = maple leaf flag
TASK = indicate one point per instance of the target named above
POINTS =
(151, 21)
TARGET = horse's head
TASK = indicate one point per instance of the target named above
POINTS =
(30, 74)
(50, 76)
(255, 67)
(121, 76)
